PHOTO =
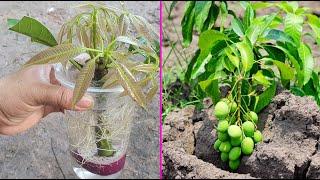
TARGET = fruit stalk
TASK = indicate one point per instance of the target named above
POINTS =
(239, 101)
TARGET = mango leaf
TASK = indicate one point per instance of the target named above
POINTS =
(293, 27)
(278, 35)
(259, 26)
(200, 66)
(314, 23)
(297, 91)
(59, 53)
(187, 75)
(34, 29)
(261, 79)
(248, 16)
(146, 68)
(265, 98)
(129, 83)
(207, 40)
(128, 40)
(286, 72)
(296, 65)
(123, 25)
(172, 5)
(237, 26)
(211, 88)
(275, 53)
(62, 32)
(152, 91)
(268, 21)
(83, 81)
(223, 13)
(254, 31)
(288, 7)
(261, 5)
(234, 59)
(212, 17)
(227, 64)
(83, 37)
(307, 61)
(187, 23)
(247, 56)
(143, 27)
(110, 79)
(201, 10)
(309, 89)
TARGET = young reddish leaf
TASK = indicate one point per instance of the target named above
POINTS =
(83, 81)
(59, 53)
(129, 83)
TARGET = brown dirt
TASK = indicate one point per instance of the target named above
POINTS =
(290, 148)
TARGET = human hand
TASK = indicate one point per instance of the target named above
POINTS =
(29, 95)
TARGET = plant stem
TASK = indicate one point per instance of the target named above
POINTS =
(104, 145)
(239, 100)
(76, 64)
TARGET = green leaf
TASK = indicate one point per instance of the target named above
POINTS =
(190, 66)
(12, 22)
(261, 5)
(234, 59)
(202, 9)
(286, 72)
(254, 31)
(295, 63)
(207, 40)
(275, 53)
(309, 89)
(261, 79)
(211, 88)
(314, 23)
(265, 98)
(288, 7)
(200, 65)
(237, 26)
(297, 91)
(83, 81)
(248, 16)
(34, 29)
(172, 5)
(228, 64)
(258, 27)
(247, 56)
(278, 35)
(187, 23)
(212, 17)
(59, 53)
(307, 61)
(223, 13)
(293, 27)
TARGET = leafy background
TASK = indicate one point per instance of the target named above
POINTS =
(176, 60)
(42, 151)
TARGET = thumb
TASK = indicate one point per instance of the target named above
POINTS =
(59, 96)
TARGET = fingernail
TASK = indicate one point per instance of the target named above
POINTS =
(86, 102)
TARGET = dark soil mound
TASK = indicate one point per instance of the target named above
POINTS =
(291, 130)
